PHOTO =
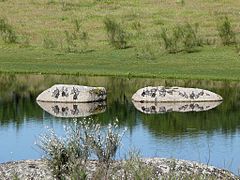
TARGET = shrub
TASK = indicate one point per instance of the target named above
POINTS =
(190, 38)
(7, 32)
(225, 31)
(71, 45)
(104, 142)
(116, 34)
(182, 38)
(67, 156)
(171, 42)
(64, 155)
(76, 40)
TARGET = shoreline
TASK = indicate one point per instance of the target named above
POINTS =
(121, 76)
(163, 167)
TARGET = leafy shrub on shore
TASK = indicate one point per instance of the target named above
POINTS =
(7, 32)
(225, 31)
(67, 156)
(117, 36)
(64, 155)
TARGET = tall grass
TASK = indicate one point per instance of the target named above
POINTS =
(117, 36)
(225, 31)
(180, 38)
(76, 40)
(171, 41)
(135, 168)
(7, 32)
(146, 51)
(190, 37)
(49, 43)
(71, 45)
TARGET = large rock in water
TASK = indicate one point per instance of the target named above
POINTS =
(73, 93)
(73, 110)
(164, 107)
(174, 94)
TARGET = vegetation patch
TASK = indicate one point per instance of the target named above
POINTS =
(181, 38)
(7, 32)
(68, 157)
(115, 33)
(77, 35)
(225, 31)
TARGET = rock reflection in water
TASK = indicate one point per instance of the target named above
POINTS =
(155, 108)
(73, 110)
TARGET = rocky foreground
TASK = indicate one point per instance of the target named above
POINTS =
(164, 169)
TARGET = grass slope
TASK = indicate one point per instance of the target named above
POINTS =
(35, 20)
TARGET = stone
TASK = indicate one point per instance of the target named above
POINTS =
(174, 94)
(162, 168)
(73, 93)
(164, 107)
(73, 110)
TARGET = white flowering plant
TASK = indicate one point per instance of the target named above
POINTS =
(83, 139)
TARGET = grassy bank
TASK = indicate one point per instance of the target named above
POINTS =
(212, 63)
(70, 37)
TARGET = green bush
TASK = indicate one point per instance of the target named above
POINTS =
(64, 155)
(171, 41)
(7, 32)
(116, 34)
(225, 31)
(190, 37)
(182, 38)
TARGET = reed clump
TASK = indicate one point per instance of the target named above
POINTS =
(7, 32)
(180, 38)
(117, 36)
(226, 32)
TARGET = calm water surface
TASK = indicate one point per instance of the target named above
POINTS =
(211, 136)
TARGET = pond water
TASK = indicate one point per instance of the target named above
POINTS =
(211, 136)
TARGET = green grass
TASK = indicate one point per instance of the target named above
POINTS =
(211, 63)
(36, 20)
